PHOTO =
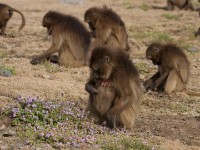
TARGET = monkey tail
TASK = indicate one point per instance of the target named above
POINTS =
(23, 18)
(192, 93)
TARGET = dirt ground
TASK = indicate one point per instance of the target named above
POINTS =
(172, 122)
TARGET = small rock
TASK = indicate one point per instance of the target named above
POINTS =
(46, 76)
(9, 132)
(72, 1)
(18, 145)
(2, 126)
(7, 121)
(194, 49)
(4, 72)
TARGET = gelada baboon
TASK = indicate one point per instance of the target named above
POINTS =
(69, 38)
(107, 28)
(114, 88)
(181, 4)
(173, 69)
(6, 13)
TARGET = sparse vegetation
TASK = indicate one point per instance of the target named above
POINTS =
(154, 36)
(143, 68)
(3, 54)
(173, 17)
(10, 69)
(52, 68)
(164, 122)
(145, 7)
(126, 143)
(45, 122)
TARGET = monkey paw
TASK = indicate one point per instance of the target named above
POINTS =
(35, 61)
(153, 87)
(91, 89)
(111, 120)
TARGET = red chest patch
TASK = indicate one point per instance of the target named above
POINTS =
(106, 83)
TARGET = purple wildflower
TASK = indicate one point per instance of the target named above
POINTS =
(34, 105)
(29, 101)
(48, 135)
(15, 111)
(19, 99)
(51, 134)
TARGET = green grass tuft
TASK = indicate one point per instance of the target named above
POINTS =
(154, 36)
(10, 69)
(145, 7)
(127, 143)
(172, 17)
(51, 67)
(3, 54)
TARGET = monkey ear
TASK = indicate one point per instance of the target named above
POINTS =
(107, 59)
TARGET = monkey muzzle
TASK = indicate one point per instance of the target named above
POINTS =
(149, 57)
(197, 33)
(91, 26)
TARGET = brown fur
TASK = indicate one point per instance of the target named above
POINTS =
(70, 39)
(197, 33)
(181, 4)
(6, 13)
(107, 28)
(173, 68)
(114, 87)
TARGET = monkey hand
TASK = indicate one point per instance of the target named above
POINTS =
(147, 84)
(91, 89)
(111, 120)
(154, 87)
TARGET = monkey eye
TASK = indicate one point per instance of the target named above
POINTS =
(107, 59)
(156, 49)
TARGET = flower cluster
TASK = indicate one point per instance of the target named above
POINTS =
(62, 123)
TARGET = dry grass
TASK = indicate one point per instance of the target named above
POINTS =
(144, 25)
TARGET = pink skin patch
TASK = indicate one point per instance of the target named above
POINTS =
(105, 83)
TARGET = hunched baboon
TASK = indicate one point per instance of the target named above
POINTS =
(107, 28)
(6, 13)
(181, 4)
(173, 69)
(114, 88)
(69, 38)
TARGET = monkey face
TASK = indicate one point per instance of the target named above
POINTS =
(46, 22)
(152, 54)
(102, 68)
(91, 17)
(91, 26)
(6, 14)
